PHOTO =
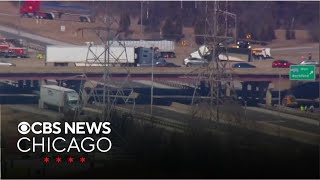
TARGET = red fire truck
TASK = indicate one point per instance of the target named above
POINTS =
(8, 49)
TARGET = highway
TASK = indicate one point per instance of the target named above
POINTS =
(14, 33)
(61, 73)
(288, 120)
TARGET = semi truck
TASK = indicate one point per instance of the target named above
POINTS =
(61, 98)
(54, 10)
(164, 47)
(204, 52)
(94, 56)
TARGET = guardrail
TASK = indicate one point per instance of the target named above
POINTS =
(34, 46)
(174, 84)
(283, 109)
(266, 128)
(147, 117)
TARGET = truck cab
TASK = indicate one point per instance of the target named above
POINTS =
(72, 101)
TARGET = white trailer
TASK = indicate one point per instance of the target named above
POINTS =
(95, 56)
(203, 51)
(59, 97)
(163, 45)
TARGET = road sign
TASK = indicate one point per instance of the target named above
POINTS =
(302, 72)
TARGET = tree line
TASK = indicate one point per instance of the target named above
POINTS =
(259, 19)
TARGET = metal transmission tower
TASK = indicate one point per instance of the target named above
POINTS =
(107, 92)
(214, 85)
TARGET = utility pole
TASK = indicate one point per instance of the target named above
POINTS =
(105, 91)
(226, 20)
(319, 61)
(279, 92)
(141, 20)
(151, 96)
(19, 29)
(215, 27)
(215, 75)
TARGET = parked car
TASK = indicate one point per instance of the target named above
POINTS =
(3, 63)
(243, 65)
(281, 64)
(310, 62)
(191, 61)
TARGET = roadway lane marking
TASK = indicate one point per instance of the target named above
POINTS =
(33, 36)
(294, 134)
(291, 48)
(288, 116)
(5, 14)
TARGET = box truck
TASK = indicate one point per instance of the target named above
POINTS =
(61, 98)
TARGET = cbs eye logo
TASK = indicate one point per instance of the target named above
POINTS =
(24, 128)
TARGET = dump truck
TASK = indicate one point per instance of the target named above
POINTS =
(60, 98)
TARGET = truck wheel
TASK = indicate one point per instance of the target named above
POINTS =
(41, 105)
(83, 19)
(48, 16)
(189, 65)
(24, 15)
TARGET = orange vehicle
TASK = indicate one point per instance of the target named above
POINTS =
(290, 101)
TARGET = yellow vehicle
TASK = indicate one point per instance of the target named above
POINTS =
(290, 101)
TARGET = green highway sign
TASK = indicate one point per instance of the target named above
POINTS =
(302, 72)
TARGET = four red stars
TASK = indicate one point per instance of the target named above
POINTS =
(59, 159)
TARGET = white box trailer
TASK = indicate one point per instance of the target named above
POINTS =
(59, 97)
(163, 45)
(78, 55)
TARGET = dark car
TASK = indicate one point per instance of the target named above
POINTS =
(243, 65)
(243, 44)
(167, 55)
(164, 63)
(281, 64)
(8, 55)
